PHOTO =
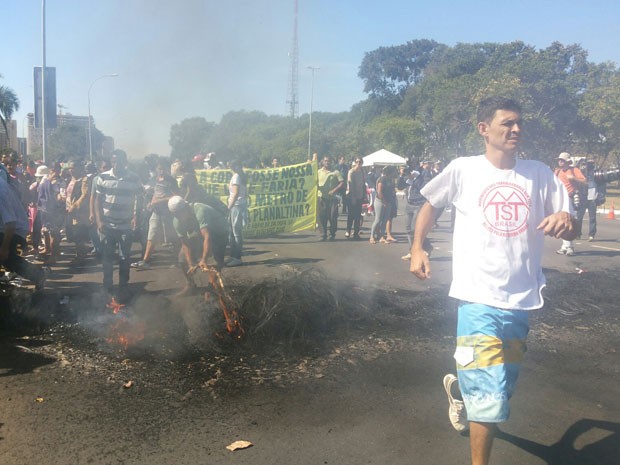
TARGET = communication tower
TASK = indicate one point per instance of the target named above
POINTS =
(292, 104)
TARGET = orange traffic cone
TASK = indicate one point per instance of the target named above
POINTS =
(612, 212)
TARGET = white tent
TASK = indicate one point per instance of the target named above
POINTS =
(383, 158)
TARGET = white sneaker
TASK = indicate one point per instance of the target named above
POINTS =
(141, 265)
(570, 252)
(234, 262)
(406, 257)
(456, 411)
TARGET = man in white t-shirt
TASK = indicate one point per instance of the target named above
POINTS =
(504, 208)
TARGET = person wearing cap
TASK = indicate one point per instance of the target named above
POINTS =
(51, 213)
(202, 231)
(505, 206)
(117, 198)
(573, 179)
(41, 172)
(210, 162)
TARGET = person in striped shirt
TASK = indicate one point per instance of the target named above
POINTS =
(117, 194)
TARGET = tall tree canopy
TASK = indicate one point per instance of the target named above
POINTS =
(422, 98)
(9, 104)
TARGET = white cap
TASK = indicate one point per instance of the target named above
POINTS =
(564, 156)
(42, 170)
(176, 203)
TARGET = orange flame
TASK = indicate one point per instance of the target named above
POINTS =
(124, 332)
(233, 325)
(115, 306)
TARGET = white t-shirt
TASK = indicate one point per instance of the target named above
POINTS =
(497, 250)
(241, 189)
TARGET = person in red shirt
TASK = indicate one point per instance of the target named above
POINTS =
(574, 181)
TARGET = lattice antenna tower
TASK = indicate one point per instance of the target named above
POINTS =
(292, 104)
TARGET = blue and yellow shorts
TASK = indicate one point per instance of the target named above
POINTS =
(490, 346)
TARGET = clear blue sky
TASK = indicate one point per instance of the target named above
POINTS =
(188, 58)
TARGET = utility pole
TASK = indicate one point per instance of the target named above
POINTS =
(44, 139)
(293, 79)
(313, 69)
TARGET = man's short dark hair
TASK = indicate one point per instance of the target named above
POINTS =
(120, 154)
(488, 107)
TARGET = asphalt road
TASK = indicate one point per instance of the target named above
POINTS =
(373, 397)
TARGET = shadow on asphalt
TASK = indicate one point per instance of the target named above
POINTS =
(284, 261)
(17, 359)
(577, 446)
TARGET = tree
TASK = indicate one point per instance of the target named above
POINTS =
(9, 104)
(388, 72)
(70, 142)
(189, 137)
(601, 106)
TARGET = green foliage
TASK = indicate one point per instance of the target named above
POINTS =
(70, 142)
(189, 137)
(9, 104)
(422, 99)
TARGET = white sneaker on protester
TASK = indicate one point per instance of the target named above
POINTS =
(456, 411)
(141, 265)
(234, 262)
(406, 257)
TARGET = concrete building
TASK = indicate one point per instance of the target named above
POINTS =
(12, 142)
(35, 134)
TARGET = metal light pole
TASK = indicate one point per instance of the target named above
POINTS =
(44, 137)
(313, 69)
(90, 129)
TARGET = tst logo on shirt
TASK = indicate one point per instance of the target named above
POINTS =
(506, 209)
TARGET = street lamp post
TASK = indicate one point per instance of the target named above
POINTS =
(313, 69)
(90, 129)
(43, 127)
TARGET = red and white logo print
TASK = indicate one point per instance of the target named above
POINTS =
(506, 209)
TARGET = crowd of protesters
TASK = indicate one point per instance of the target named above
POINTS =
(103, 209)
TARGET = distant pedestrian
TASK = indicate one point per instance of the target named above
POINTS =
(237, 211)
(160, 228)
(385, 197)
(117, 194)
(575, 183)
(77, 202)
(343, 167)
(329, 182)
(355, 196)
(415, 182)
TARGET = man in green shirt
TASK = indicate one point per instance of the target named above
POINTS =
(330, 182)
(202, 231)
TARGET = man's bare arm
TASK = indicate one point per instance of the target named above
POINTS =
(420, 263)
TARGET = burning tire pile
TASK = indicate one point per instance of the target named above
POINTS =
(294, 327)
